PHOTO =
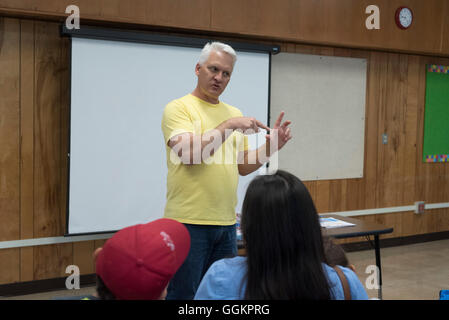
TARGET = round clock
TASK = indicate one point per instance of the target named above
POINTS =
(404, 17)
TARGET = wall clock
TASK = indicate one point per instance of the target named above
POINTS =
(404, 17)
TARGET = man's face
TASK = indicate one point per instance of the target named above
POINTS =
(214, 74)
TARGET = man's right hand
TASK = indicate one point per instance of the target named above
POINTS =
(190, 152)
(247, 125)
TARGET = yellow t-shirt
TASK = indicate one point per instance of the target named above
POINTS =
(204, 193)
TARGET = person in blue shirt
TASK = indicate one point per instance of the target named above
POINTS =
(285, 256)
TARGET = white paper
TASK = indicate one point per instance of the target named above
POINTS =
(334, 223)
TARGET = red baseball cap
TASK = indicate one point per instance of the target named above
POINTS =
(138, 261)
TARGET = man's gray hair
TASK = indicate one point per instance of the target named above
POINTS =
(216, 46)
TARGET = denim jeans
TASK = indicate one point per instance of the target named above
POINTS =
(207, 245)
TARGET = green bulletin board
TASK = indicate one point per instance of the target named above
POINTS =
(436, 115)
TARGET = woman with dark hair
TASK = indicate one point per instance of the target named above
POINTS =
(285, 256)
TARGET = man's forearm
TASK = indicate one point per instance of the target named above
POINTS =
(197, 148)
(213, 139)
(252, 160)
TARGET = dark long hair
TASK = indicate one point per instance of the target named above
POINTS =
(103, 292)
(284, 246)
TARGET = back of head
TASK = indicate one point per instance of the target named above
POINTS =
(138, 261)
(334, 253)
(283, 240)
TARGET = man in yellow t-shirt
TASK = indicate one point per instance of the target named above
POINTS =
(207, 150)
(203, 193)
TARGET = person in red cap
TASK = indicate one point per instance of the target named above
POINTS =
(138, 262)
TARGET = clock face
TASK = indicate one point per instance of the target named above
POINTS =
(405, 17)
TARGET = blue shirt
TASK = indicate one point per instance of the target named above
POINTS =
(224, 281)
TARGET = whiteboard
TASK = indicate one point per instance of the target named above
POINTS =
(117, 165)
(324, 97)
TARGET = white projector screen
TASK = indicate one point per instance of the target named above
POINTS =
(117, 160)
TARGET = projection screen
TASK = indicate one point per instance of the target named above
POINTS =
(117, 159)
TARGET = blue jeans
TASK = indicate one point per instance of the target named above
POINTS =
(207, 245)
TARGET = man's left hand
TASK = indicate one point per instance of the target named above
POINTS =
(281, 131)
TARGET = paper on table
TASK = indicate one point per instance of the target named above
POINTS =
(334, 223)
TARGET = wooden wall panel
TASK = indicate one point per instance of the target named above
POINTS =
(410, 127)
(9, 127)
(445, 28)
(82, 256)
(424, 33)
(9, 145)
(27, 146)
(47, 131)
(327, 22)
(192, 14)
(334, 22)
(391, 160)
(269, 18)
(373, 87)
(49, 219)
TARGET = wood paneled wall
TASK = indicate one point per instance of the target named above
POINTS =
(330, 22)
(34, 102)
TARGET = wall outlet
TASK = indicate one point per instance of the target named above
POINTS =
(419, 207)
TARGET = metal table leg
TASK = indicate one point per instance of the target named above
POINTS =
(378, 263)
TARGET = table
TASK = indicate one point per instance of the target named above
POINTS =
(361, 229)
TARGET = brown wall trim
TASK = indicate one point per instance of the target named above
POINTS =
(394, 242)
(39, 286)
